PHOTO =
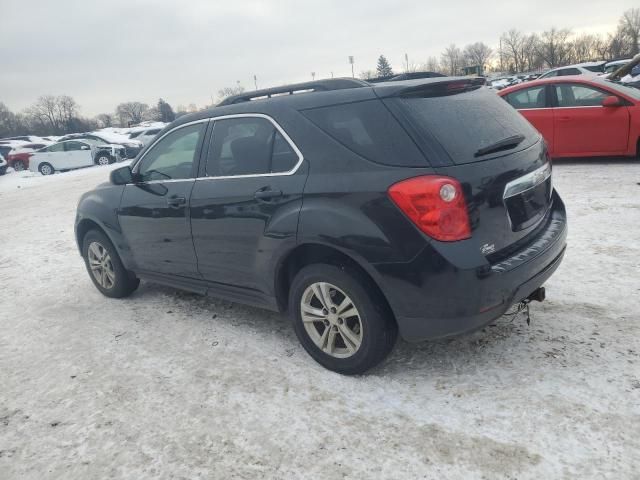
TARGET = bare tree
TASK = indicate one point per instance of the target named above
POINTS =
(477, 54)
(432, 65)
(367, 74)
(630, 27)
(451, 59)
(513, 49)
(104, 120)
(131, 112)
(555, 47)
(229, 91)
(57, 114)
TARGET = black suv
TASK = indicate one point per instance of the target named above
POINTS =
(422, 206)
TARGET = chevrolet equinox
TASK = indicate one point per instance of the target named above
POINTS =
(424, 207)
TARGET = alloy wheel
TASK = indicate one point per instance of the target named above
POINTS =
(331, 320)
(103, 160)
(101, 265)
(18, 165)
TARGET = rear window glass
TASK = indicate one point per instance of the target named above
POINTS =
(368, 129)
(467, 122)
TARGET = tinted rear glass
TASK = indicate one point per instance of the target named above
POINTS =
(370, 130)
(467, 122)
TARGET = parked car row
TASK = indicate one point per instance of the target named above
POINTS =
(72, 154)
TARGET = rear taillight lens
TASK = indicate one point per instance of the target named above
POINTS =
(435, 204)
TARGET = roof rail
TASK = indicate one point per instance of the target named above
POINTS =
(316, 86)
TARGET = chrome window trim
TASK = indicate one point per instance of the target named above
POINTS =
(258, 175)
(284, 134)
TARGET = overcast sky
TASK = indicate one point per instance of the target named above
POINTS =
(106, 52)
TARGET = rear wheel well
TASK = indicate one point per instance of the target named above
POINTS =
(309, 254)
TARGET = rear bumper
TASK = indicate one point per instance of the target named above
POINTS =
(446, 291)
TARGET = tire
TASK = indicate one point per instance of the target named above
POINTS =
(115, 281)
(18, 165)
(372, 323)
(46, 169)
(3, 170)
(103, 159)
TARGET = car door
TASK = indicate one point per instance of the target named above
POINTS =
(154, 211)
(533, 103)
(582, 126)
(246, 202)
(50, 155)
(77, 154)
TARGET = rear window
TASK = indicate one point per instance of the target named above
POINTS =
(368, 129)
(467, 122)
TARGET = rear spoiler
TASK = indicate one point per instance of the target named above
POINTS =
(446, 87)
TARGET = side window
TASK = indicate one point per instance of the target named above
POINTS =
(573, 95)
(172, 157)
(369, 129)
(528, 98)
(551, 74)
(57, 147)
(248, 146)
(75, 146)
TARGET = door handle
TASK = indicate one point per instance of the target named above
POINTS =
(176, 200)
(267, 194)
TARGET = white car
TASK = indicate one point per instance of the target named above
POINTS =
(72, 154)
(146, 136)
(587, 68)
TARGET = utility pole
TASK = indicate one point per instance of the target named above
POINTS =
(352, 61)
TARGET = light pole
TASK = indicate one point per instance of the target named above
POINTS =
(255, 81)
(406, 59)
(352, 61)
(313, 75)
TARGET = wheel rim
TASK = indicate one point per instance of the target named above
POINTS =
(45, 170)
(331, 320)
(101, 265)
(18, 166)
(103, 161)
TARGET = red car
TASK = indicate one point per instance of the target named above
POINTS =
(581, 116)
(19, 158)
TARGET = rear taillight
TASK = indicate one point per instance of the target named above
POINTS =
(435, 204)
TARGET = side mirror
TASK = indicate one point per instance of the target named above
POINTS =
(121, 176)
(85, 147)
(612, 101)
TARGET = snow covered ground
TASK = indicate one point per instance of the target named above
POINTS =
(171, 385)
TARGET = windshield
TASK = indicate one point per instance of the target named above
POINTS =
(630, 91)
(471, 126)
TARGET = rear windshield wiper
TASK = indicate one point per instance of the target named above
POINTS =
(504, 144)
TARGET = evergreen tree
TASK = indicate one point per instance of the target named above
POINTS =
(384, 68)
(165, 112)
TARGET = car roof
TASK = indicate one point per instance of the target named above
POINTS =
(329, 92)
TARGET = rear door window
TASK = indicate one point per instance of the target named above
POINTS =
(534, 97)
(468, 122)
(370, 130)
(248, 146)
